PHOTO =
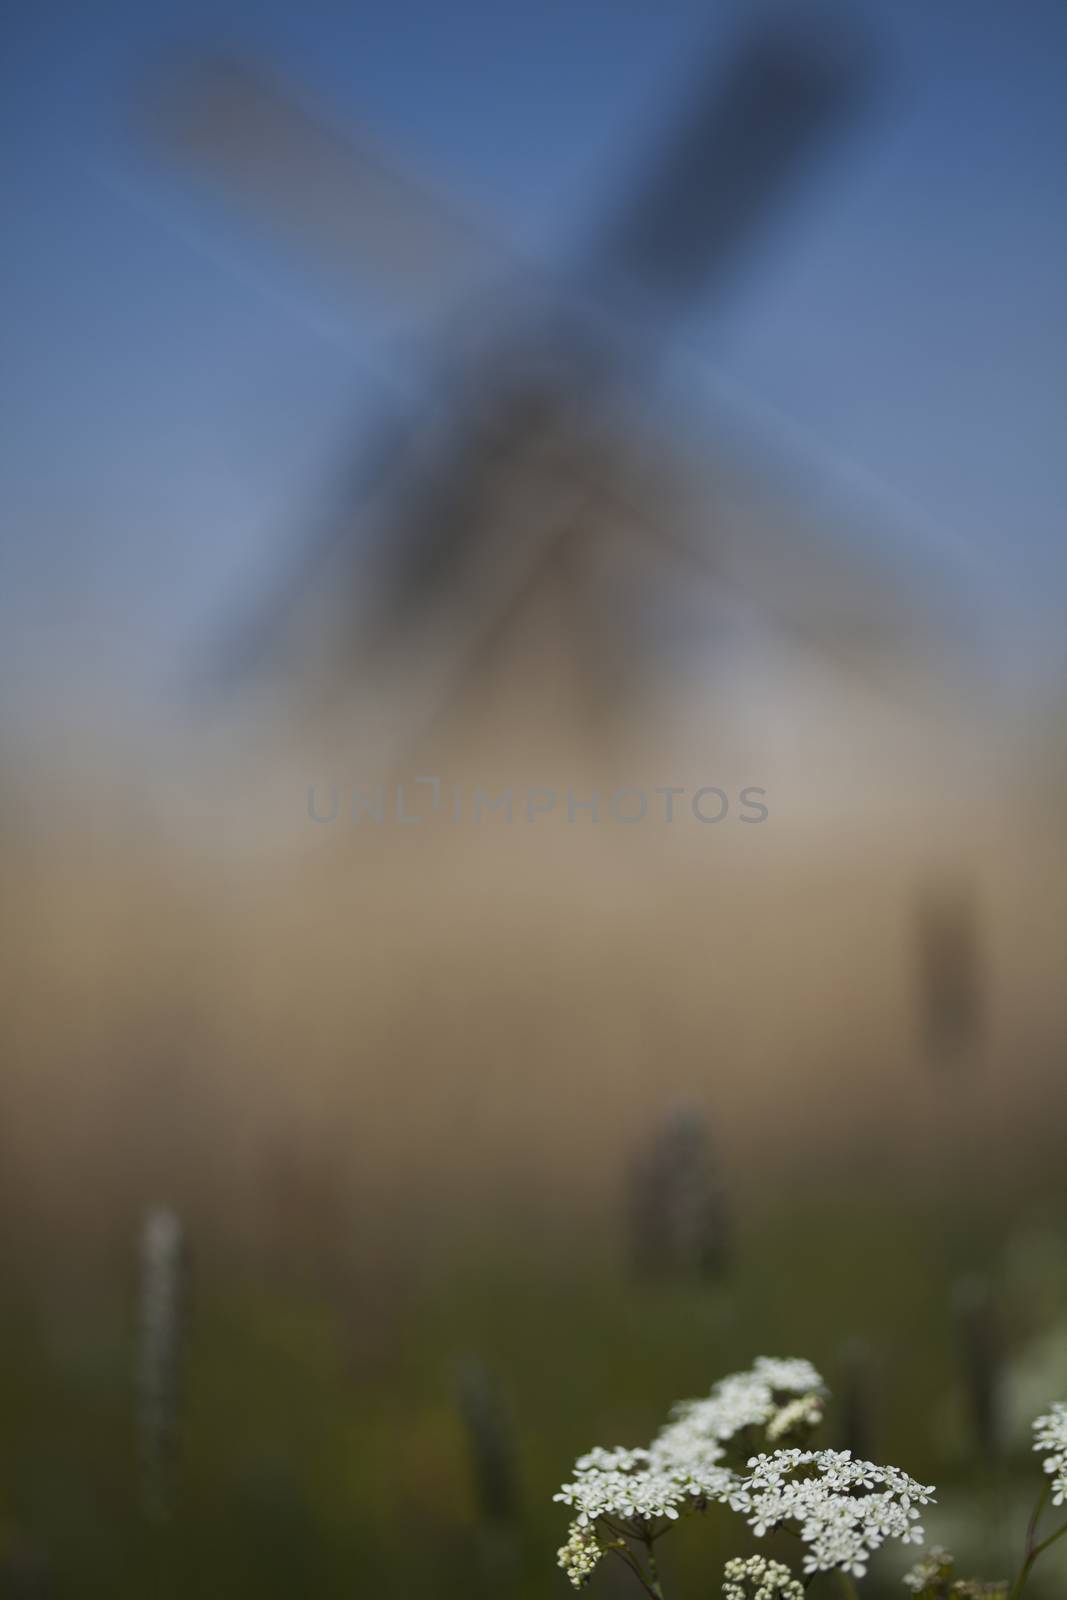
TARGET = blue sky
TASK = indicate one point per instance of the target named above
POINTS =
(178, 393)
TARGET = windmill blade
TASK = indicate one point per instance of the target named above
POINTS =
(834, 576)
(232, 123)
(730, 162)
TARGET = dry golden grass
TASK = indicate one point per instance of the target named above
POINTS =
(456, 1012)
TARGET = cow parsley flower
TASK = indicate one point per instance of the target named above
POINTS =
(935, 1568)
(799, 1417)
(579, 1556)
(744, 1400)
(682, 1468)
(843, 1510)
(933, 1579)
(1050, 1433)
(760, 1579)
(642, 1485)
(792, 1376)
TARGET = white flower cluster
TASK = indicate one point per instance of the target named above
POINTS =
(798, 1416)
(641, 1485)
(759, 1579)
(745, 1400)
(930, 1570)
(843, 1511)
(1050, 1433)
(682, 1465)
(579, 1556)
(932, 1577)
(934, 1568)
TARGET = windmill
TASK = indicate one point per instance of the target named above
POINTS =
(541, 458)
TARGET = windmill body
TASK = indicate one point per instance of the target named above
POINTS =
(530, 435)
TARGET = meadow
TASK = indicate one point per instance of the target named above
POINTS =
(395, 1098)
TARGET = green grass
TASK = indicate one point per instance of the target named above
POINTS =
(323, 1451)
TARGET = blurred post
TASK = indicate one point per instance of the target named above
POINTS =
(494, 1453)
(856, 1389)
(162, 1333)
(679, 1219)
(951, 985)
(981, 1361)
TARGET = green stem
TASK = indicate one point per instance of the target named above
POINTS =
(847, 1585)
(653, 1570)
(635, 1567)
(1033, 1549)
(1043, 1546)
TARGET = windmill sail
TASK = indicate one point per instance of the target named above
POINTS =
(729, 164)
(233, 123)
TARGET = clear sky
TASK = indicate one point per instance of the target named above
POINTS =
(177, 393)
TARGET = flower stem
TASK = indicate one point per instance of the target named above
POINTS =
(1043, 1546)
(847, 1585)
(650, 1586)
(653, 1571)
(1033, 1549)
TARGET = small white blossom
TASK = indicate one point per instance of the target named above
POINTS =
(1050, 1433)
(760, 1579)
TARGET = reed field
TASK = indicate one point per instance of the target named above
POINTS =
(394, 1089)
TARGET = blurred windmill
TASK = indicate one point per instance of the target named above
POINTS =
(536, 461)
